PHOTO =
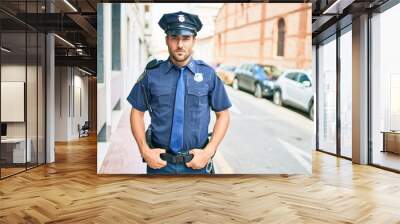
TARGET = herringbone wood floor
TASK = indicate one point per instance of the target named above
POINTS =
(70, 191)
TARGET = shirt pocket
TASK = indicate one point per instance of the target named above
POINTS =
(161, 96)
(198, 97)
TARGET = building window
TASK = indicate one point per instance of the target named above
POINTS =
(345, 83)
(281, 37)
(327, 96)
(385, 89)
(116, 36)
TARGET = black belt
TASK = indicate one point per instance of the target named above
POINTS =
(175, 158)
(169, 156)
(180, 158)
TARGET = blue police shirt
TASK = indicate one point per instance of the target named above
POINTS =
(204, 90)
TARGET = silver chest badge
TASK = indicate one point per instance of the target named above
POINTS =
(198, 77)
(181, 18)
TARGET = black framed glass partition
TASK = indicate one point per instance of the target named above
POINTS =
(383, 75)
(13, 86)
(22, 77)
(345, 93)
(327, 95)
(385, 89)
(334, 71)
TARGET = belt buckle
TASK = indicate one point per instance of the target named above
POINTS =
(182, 153)
(180, 157)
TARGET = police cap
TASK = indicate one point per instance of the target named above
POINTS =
(180, 23)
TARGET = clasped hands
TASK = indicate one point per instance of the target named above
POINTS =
(200, 157)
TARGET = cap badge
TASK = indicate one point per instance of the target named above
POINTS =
(198, 77)
(181, 18)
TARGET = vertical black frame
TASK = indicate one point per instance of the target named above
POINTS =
(316, 97)
(26, 86)
(369, 90)
(338, 98)
(44, 80)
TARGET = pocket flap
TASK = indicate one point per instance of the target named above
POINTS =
(161, 90)
(198, 91)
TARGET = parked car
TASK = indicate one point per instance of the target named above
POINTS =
(226, 73)
(256, 78)
(293, 88)
(273, 71)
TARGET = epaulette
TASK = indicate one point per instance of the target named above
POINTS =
(152, 64)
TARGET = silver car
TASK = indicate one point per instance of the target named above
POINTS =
(293, 88)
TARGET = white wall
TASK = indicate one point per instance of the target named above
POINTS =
(33, 126)
(61, 103)
(134, 55)
(13, 73)
(17, 73)
(79, 117)
(67, 81)
(103, 89)
(117, 84)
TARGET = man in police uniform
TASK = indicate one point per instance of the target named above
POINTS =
(178, 93)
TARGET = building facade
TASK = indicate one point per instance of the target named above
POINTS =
(123, 52)
(276, 34)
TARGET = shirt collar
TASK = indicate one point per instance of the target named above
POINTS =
(191, 65)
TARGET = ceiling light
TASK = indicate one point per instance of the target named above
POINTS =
(65, 41)
(70, 5)
(5, 50)
(84, 71)
(337, 7)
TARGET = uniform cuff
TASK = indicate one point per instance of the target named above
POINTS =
(222, 108)
(136, 105)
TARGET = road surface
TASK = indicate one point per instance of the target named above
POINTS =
(264, 138)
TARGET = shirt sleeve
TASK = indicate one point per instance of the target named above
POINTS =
(136, 96)
(219, 98)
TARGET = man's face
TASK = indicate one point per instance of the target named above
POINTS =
(180, 47)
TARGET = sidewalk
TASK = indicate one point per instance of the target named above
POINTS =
(123, 155)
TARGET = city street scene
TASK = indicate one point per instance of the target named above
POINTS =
(260, 51)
